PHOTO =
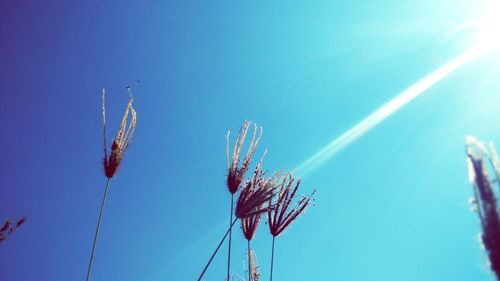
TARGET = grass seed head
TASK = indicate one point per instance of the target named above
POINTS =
(249, 225)
(235, 171)
(255, 194)
(122, 140)
(485, 202)
(282, 213)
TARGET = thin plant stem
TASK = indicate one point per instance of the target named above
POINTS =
(249, 269)
(272, 260)
(97, 230)
(216, 250)
(230, 234)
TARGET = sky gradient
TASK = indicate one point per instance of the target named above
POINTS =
(392, 205)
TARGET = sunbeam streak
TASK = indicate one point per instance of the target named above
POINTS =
(338, 144)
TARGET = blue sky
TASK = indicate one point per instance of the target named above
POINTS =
(390, 206)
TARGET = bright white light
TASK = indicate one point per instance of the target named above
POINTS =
(374, 119)
(489, 25)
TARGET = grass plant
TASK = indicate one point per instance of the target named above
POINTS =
(236, 169)
(283, 212)
(112, 162)
(481, 161)
(257, 195)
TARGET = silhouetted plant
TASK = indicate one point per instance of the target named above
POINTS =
(479, 158)
(280, 216)
(255, 198)
(256, 194)
(9, 227)
(112, 163)
(236, 172)
(253, 201)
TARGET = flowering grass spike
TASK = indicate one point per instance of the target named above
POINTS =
(122, 140)
(282, 214)
(236, 172)
(111, 164)
(485, 202)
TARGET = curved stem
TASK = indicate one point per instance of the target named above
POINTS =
(216, 250)
(97, 230)
(272, 260)
(230, 234)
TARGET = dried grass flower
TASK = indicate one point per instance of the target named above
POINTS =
(111, 164)
(122, 140)
(283, 214)
(485, 201)
(256, 194)
(252, 202)
(249, 225)
(253, 268)
(235, 171)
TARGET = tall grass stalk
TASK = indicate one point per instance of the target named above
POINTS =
(112, 162)
(217, 249)
(236, 172)
(97, 230)
(272, 260)
(230, 235)
(249, 261)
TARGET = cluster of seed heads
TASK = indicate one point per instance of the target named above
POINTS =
(260, 194)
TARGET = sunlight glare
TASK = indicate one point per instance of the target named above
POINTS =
(374, 119)
(489, 25)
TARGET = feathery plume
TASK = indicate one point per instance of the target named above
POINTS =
(484, 197)
(254, 268)
(122, 140)
(280, 217)
(253, 201)
(249, 225)
(256, 195)
(236, 170)
(111, 164)
(235, 174)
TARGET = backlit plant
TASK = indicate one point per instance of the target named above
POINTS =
(257, 195)
(481, 161)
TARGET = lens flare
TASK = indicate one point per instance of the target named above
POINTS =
(488, 26)
(338, 144)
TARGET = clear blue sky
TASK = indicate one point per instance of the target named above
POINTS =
(391, 206)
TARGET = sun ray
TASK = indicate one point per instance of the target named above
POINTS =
(378, 116)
